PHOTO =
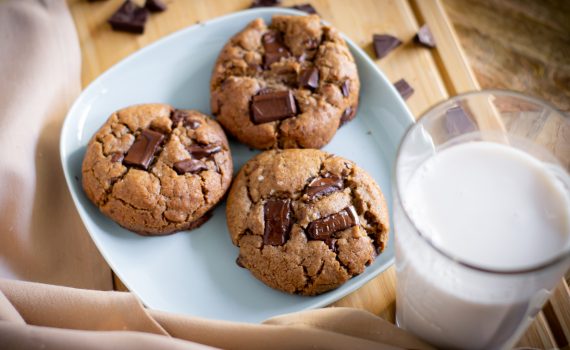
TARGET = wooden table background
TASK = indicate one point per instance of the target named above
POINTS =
(516, 44)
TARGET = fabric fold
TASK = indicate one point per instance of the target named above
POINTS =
(53, 314)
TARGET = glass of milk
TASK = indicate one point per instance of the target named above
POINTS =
(481, 218)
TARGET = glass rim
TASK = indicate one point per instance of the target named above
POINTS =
(562, 255)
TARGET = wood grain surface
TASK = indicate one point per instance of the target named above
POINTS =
(434, 74)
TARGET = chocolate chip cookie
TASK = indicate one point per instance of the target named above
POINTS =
(289, 84)
(305, 221)
(156, 170)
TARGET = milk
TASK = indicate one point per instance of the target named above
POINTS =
(491, 206)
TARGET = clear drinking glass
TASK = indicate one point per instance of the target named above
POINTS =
(441, 297)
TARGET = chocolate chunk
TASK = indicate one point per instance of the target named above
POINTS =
(425, 37)
(323, 229)
(308, 8)
(309, 78)
(345, 88)
(384, 43)
(199, 151)
(322, 186)
(155, 5)
(312, 43)
(457, 121)
(142, 150)
(117, 157)
(265, 3)
(274, 47)
(277, 213)
(404, 88)
(273, 106)
(239, 263)
(331, 243)
(189, 166)
(129, 18)
(347, 115)
(177, 116)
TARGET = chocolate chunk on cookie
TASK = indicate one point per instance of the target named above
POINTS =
(155, 170)
(305, 221)
(305, 67)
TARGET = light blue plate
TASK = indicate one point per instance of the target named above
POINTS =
(195, 272)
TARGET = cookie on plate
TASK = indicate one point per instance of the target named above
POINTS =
(289, 84)
(156, 170)
(305, 221)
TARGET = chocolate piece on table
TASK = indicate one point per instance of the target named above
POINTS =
(323, 185)
(345, 88)
(274, 47)
(323, 229)
(155, 5)
(117, 157)
(425, 37)
(199, 151)
(384, 43)
(189, 166)
(277, 213)
(273, 106)
(129, 18)
(404, 88)
(264, 3)
(309, 78)
(142, 150)
(308, 8)
(457, 121)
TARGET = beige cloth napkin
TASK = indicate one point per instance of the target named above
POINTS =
(42, 238)
(40, 316)
(41, 235)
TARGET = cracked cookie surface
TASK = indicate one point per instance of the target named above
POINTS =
(306, 69)
(156, 170)
(305, 221)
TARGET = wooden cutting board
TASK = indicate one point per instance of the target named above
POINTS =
(434, 74)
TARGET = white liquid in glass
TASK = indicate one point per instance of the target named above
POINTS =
(491, 206)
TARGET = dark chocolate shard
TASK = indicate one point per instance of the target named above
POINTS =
(264, 3)
(189, 166)
(178, 116)
(323, 229)
(277, 213)
(384, 43)
(199, 151)
(130, 17)
(155, 5)
(345, 88)
(309, 78)
(457, 121)
(347, 115)
(143, 149)
(425, 37)
(322, 186)
(239, 263)
(331, 243)
(308, 8)
(117, 157)
(274, 47)
(273, 106)
(404, 88)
